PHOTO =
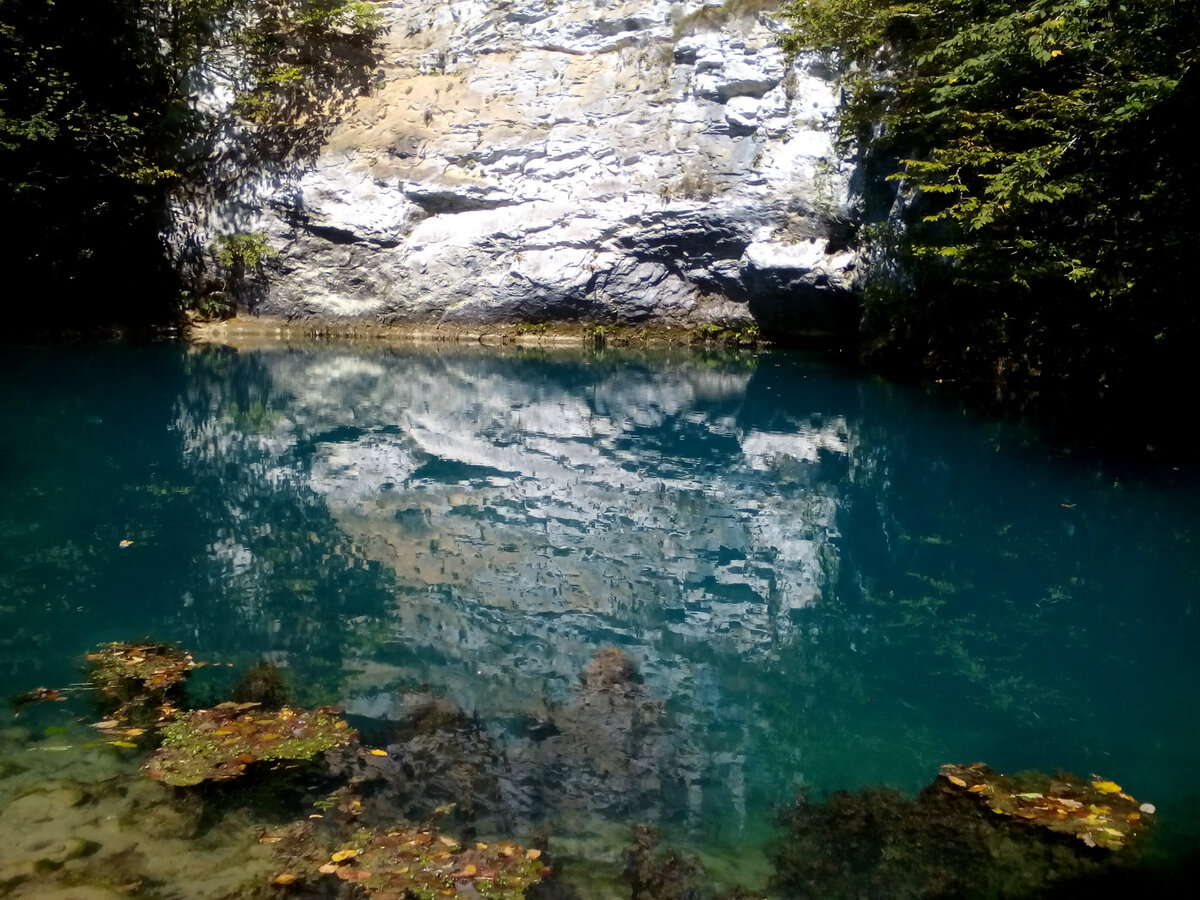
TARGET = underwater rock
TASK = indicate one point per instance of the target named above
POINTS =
(119, 667)
(947, 842)
(420, 863)
(414, 862)
(218, 744)
(1097, 812)
(137, 682)
(437, 754)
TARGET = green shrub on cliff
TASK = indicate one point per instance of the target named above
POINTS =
(1051, 185)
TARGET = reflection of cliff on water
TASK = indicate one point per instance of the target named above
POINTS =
(813, 573)
(820, 580)
(532, 510)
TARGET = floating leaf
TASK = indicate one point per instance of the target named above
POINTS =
(378, 752)
(285, 878)
(1107, 787)
(342, 855)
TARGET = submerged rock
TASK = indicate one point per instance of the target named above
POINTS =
(1096, 811)
(968, 834)
(218, 744)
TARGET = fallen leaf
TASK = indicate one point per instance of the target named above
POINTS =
(532, 854)
(379, 753)
(977, 788)
(123, 743)
(1148, 808)
(1107, 787)
(285, 878)
(343, 855)
(125, 544)
(954, 779)
(328, 869)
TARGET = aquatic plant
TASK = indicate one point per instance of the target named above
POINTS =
(218, 744)
(264, 684)
(660, 874)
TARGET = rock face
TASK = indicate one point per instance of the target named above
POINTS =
(538, 160)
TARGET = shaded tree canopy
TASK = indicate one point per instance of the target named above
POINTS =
(1050, 181)
(96, 128)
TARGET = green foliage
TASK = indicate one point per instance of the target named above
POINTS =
(96, 126)
(246, 250)
(1040, 144)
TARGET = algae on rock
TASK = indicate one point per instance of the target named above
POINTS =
(218, 744)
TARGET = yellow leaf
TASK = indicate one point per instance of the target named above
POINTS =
(954, 779)
(343, 855)
(285, 878)
(123, 743)
(977, 788)
(1107, 787)
(532, 854)
(1056, 53)
(126, 544)
(379, 753)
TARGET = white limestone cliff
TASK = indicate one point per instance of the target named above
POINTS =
(540, 160)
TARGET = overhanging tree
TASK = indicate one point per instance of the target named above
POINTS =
(1042, 145)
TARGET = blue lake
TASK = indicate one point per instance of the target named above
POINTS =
(822, 582)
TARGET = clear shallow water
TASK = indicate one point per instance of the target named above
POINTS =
(823, 582)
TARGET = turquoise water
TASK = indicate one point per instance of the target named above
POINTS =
(822, 581)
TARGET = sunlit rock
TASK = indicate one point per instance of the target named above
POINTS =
(564, 161)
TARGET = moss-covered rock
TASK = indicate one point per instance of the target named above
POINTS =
(971, 833)
(218, 744)
(120, 668)
(1096, 811)
(417, 862)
